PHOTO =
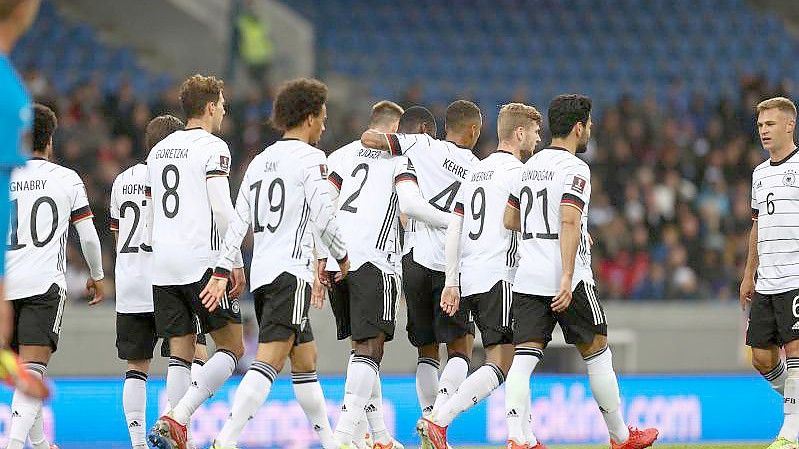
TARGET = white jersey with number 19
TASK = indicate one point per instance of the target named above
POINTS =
(185, 240)
(550, 178)
(45, 199)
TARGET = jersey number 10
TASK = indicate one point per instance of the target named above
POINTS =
(14, 243)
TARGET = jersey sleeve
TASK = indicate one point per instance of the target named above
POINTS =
(459, 203)
(336, 169)
(113, 209)
(80, 209)
(230, 254)
(404, 171)
(314, 180)
(399, 144)
(514, 185)
(577, 187)
(219, 161)
(755, 209)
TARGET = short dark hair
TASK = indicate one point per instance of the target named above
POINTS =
(460, 114)
(296, 100)
(7, 7)
(159, 128)
(415, 116)
(44, 125)
(197, 91)
(384, 112)
(565, 111)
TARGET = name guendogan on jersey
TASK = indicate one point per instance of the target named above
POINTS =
(35, 184)
(538, 175)
(172, 153)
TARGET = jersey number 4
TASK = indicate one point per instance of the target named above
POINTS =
(448, 195)
(526, 235)
(14, 243)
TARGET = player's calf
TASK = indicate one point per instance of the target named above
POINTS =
(771, 366)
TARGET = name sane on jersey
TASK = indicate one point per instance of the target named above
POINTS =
(35, 184)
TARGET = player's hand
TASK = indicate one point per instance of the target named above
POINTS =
(6, 318)
(95, 290)
(239, 280)
(450, 300)
(321, 273)
(746, 292)
(318, 293)
(590, 240)
(344, 268)
(213, 292)
(564, 297)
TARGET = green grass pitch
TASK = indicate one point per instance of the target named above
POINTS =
(656, 446)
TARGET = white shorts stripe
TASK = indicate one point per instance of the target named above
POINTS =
(595, 311)
(296, 317)
(62, 299)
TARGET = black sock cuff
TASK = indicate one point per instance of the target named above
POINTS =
(136, 374)
(792, 362)
(304, 378)
(459, 355)
(534, 352)
(38, 367)
(265, 369)
(200, 362)
(374, 364)
(178, 362)
(352, 352)
(229, 354)
(590, 357)
(776, 372)
(429, 361)
(498, 372)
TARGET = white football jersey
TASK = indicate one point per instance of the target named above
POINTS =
(185, 239)
(284, 191)
(488, 250)
(45, 198)
(133, 283)
(368, 207)
(441, 167)
(552, 177)
(775, 207)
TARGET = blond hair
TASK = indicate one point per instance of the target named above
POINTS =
(514, 115)
(197, 91)
(781, 103)
(385, 111)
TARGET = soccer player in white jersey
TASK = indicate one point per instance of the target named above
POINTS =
(285, 198)
(442, 167)
(771, 278)
(372, 188)
(481, 263)
(187, 181)
(45, 199)
(554, 283)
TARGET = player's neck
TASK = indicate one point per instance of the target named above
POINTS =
(508, 148)
(459, 140)
(39, 155)
(566, 143)
(199, 123)
(777, 155)
(297, 133)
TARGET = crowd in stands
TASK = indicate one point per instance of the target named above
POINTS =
(670, 208)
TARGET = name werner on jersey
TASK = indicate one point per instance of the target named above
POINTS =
(455, 168)
(538, 175)
(482, 176)
(172, 153)
(32, 184)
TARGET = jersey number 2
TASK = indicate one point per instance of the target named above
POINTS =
(347, 206)
(549, 235)
(126, 248)
(14, 237)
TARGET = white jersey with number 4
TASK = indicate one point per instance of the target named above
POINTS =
(185, 240)
(550, 178)
(134, 292)
(488, 250)
(368, 206)
(775, 207)
(441, 167)
(45, 198)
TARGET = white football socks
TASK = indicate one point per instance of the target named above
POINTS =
(134, 404)
(427, 383)
(178, 379)
(790, 424)
(605, 389)
(473, 390)
(250, 395)
(776, 377)
(24, 409)
(374, 414)
(312, 400)
(210, 377)
(517, 391)
(361, 375)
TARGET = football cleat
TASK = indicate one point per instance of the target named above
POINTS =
(14, 374)
(783, 443)
(432, 434)
(539, 445)
(167, 433)
(639, 439)
(511, 444)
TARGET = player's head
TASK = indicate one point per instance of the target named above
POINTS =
(202, 98)
(300, 106)
(44, 125)
(518, 125)
(385, 116)
(463, 119)
(417, 120)
(570, 118)
(16, 16)
(776, 120)
(159, 128)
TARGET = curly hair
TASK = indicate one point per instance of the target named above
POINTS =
(159, 128)
(197, 91)
(296, 100)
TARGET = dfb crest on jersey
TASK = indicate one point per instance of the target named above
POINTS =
(790, 178)
(234, 306)
(224, 162)
(578, 185)
(323, 170)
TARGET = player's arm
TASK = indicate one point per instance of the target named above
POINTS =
(577, 191)
(82, 218)
(317, 195)
(113, 213)
(394, 143)
(512, 219)
(752, 262)
(450, 296)
(411, 202)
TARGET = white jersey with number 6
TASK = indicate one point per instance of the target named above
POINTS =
(441, 167)
(134, 292)
(551, 178)
(45, 198)
(185, 239)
